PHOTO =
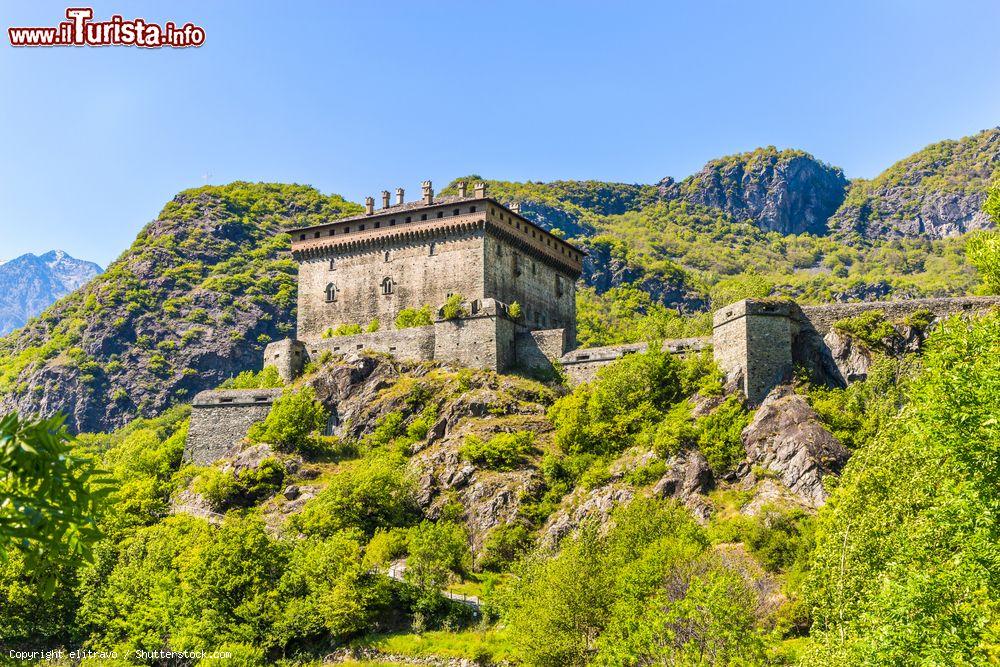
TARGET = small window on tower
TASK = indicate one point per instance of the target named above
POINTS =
(455, 212)
(333, 263)
(432, 249)
(387, 255)
(440, 214)
(387, 285)
(559, 286)
(472, 209)
(331, 293)
(315, 235)
(407, 218)
(423, 216)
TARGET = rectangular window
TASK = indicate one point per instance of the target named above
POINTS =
(377, 225)
(423, 216)
(472, 209)
(361, 228)
(440, 214)
(455, 212)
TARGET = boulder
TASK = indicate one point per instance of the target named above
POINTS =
(787, 438)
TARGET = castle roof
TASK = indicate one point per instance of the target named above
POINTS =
(399, 221)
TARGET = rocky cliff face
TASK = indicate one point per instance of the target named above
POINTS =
(31, 283)
(783, 191)
(194, 301)
(934, 193)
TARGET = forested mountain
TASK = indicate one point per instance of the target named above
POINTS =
(31, 283)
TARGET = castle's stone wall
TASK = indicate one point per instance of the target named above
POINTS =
(822, 318)
(484, 340)
(423, 270)
(413, 344)
(539, 350)
(582, 365)
(220, 421)
(515, 275)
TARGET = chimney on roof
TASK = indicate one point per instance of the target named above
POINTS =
(399, 196)
(428, 192)
(385, 199)
(463, 189)
(369, 205)
(480, 190)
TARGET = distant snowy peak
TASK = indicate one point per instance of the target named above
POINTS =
(31, 283)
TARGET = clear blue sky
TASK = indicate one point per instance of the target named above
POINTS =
(356, 97)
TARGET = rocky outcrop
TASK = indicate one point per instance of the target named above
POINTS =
(688, 479)
(29, 284)
(935, 193)
(787, 438)
(789, 192)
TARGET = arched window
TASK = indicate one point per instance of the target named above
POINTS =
(387, 285)
(333, 263)
(432, 248)
(331, 293)
(387, 255)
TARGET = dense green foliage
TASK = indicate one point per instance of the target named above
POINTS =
(906, 561)
(646, 591)
(267, 378)
(414, 317)
(293, 423)
(504, 451)
(49, 494)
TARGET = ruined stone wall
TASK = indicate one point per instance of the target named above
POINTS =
(821, 318)
(220, 420)
(514, 275)
(582, 365)
(424, 271)
(413, 344)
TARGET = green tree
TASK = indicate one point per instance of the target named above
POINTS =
(377, 494)
(906, 568)
(50, 496)
(293, 422)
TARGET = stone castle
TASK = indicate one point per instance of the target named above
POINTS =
(366, 269)
(517, 287)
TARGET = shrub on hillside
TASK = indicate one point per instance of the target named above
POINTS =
(504, 451)
(294, 422)
(267, 378)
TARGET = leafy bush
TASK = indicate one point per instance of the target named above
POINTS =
(983, 251)
(267, 378)
(504, 451)
(719, 435)
(51, 494)
(503, 545)
(414, 317)
(515, 310)
(373, 326)
(647, 474)
(293, 422)
(905, 564)
(226, 489)
(376, 493)
(674, 432)
(437, 552)
(869, 327)
(627, 397)
(342, 330)
(452, 308)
